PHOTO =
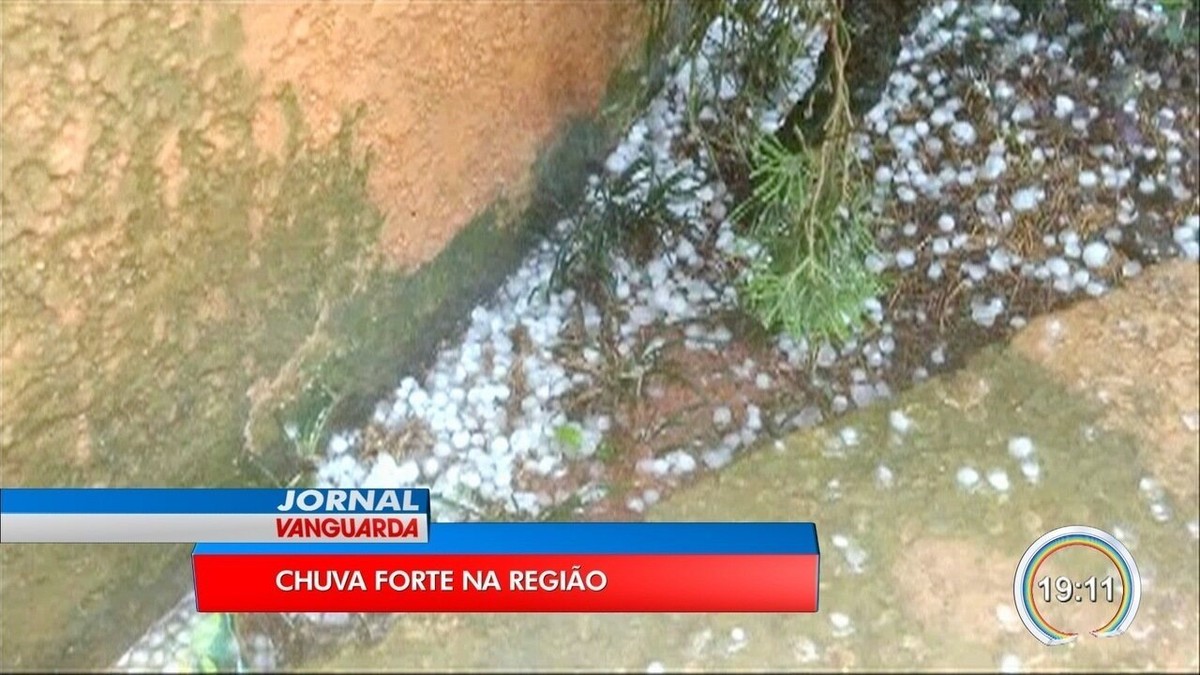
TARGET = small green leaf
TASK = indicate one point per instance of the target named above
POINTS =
(570, 436)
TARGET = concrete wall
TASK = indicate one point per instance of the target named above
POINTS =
(212, 210)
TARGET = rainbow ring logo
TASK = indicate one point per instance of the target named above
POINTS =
(1066, 537)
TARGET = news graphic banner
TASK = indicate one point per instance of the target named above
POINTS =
(372, 551)
(525, 567)
(195, 515)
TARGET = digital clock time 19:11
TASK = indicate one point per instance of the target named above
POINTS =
(1119, 592)
(1064, 589)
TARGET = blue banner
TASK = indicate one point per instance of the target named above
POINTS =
(570, 538)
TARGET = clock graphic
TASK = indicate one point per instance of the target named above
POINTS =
(1049, 602)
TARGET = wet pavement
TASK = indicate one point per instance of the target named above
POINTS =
(924, 505)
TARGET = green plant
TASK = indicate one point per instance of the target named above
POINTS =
(761, 42)
(1176, 31)
(757, 49)
(623, 209)
(307, 429)
(806, 205)
(821, 294)
(807, 208)
(757, 46)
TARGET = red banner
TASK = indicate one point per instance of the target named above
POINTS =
(506, 583)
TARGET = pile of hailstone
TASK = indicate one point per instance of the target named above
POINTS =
(929, 157)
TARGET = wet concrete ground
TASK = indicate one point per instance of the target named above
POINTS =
(917, 559)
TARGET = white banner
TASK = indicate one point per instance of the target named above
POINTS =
(194, 528)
